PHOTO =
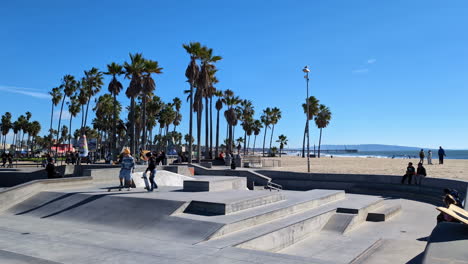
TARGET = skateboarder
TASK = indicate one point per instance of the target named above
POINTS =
(128, 165)
(152, 169)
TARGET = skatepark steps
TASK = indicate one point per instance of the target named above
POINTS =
(211, 208)
(383, 213)
(315, 198)
(338, 222)
(214, 184)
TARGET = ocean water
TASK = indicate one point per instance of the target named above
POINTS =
(450, 154)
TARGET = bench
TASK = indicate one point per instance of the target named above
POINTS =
(252, 161)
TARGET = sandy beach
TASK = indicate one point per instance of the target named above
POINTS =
(457, 169)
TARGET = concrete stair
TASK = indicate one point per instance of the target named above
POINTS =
(229, 207)
(278, 234)
(383, 213)
(215, 184)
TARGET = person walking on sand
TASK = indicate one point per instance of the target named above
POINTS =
(128, 165)
(152, 169)
(441, 155)
(420, 174)
(410, 171)
(429, 157)
(421, 156)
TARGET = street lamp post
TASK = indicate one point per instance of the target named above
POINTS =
(306, 70)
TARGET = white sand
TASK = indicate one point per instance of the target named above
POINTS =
(457, 169)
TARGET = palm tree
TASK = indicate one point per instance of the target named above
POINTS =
(283, 141)
(92, 83)
(192, 73)
(114, 88)
(219, 106)
(177, 103)
(148, 86)
(275, 117)
(56, 95)
(34, 130)
(16, 128)
(153, 107)
(22, 123)
(322, 120)
(133, 71)
(231, 116)
(266, 120)
(246, 115)
(313, 110)
(6, 126)
(239, 141)
(257, 126)
(73, 109)
(27, 127)
(69, 86)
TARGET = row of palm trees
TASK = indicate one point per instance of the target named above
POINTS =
(321, 114)
(21, 127)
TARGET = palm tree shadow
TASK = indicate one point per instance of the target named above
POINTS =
(47, 203)
(83, 202)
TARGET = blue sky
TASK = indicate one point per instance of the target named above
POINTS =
(392, 72)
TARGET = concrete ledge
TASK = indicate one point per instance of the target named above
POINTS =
(383, 213)
(215, 184)
(211, 208)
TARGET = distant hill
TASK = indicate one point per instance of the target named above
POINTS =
(371, 147)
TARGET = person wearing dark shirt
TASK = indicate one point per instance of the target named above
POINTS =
(441, 155)
(50, 169)
(420, 174)
(4, 159)
(410, 171)
(421, 156)
(152, 169)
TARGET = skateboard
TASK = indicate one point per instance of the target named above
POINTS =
(120, 188)
(147, 187)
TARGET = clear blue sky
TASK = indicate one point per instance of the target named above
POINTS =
(392, 72)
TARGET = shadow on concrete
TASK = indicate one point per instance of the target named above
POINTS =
(423, 239)
(47, 203)
(417, 259)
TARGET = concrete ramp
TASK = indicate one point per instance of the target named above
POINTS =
(162, 178)
(114, 211)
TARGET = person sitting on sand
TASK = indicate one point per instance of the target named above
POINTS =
(128, 165)
(420, 174)
(410, 171)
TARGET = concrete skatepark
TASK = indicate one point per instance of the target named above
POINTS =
(225, 216)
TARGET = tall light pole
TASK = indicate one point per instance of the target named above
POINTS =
(306, 70)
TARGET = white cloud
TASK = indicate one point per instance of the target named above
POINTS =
(360, 71)
(25, 91)
(371, 61)
(65, 114)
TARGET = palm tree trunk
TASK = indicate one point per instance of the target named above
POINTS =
(264, 139)
(190, 125)
(143, 141)
(207, 154)
(217, 134)
(114, 131)
(69, 134)
(230, 139)
(58, 129)
(211, 127)
(272, 131)
(248, 145)
(199, 116)
(245, 140)
(132, 125)
(253, 149)
(320, 142)
(51, 119)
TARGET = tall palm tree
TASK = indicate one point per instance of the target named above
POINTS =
(148, 86)
(69, 86)
(16, 126)
(275, 117)
(114, 88)
(73, 109)
(283, 141)
(219, 106)
(6, 126)
(231, 116)
(22, 122)
(177, 103)
(133, 71)
(35, 129)
(322, 120)
(313, 110)
(192, 72)
(27, 127)
(266, 120)
(246, 116)
(56, 95)
(92, 83)
(153, 107)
